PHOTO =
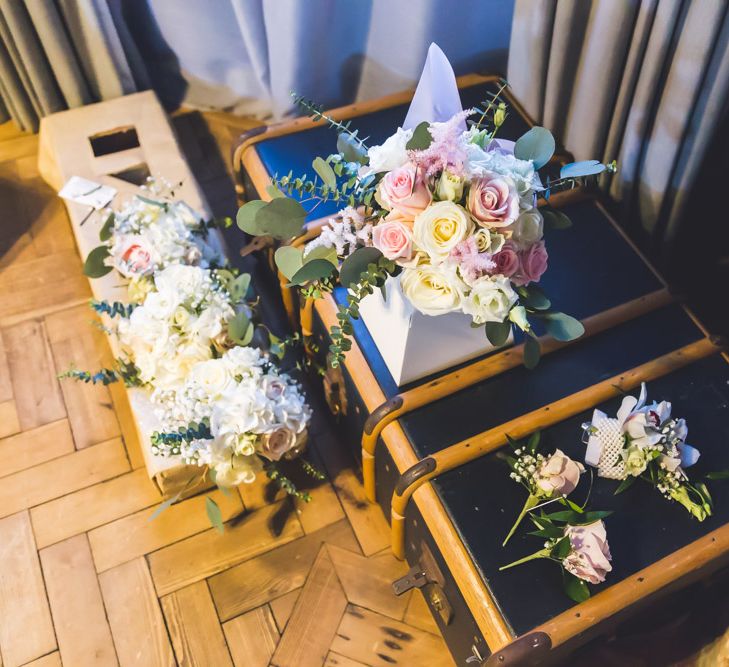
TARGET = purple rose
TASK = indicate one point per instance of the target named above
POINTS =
(532, 264)
(507, 260)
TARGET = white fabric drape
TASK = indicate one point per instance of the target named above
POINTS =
(644, 82)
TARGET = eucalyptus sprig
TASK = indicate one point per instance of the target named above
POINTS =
(274, 474)
(121, 371)
(316, 113)
(170, 443)
(113, 309)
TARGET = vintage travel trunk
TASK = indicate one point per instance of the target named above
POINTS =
(429, 449)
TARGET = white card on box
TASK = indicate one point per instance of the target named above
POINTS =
(414, 345)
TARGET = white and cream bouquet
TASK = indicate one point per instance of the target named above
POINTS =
(442, 204)
(150, 231)
(645, 441)
(237, 414)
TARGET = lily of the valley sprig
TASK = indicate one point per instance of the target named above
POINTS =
(577, 541)
(645, 441)
(546, 478)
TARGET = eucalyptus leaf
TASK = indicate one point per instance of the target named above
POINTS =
(316, 269)
(532, 352)
(274, 192)
(561, 326)
(350, 148)
(281, 218)
(246, 217)
(498, 332)
(107, 228)
(289, 260)
(238, 326)
(575, 588)
(238, 287)
(536, 145)
(534, 297)
(555, 219)
(94, 266)
(325, 171)
(164, 505)
(421, 138)
(583, 168)
(214, 514)
(356, 264)
(322, 252)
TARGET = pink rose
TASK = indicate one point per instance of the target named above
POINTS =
(275, 388)
(137, 258)
(590, 556)
(393, 239)
(559, 474)
(493, 201)
(507, 260)
(404, 190)
(276, 443)
(533, 263)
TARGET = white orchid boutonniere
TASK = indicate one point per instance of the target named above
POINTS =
(546, 478)
(645, 441)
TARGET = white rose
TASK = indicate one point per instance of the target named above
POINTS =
(237, 470)
(390, 155)
(181, 317)
(179, 281)
(433, 290)
(528, 228)
(440, 227)
(450, 187)
(239, 358)
(212, 376)
(490, 299)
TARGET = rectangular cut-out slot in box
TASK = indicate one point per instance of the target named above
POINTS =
(114, 141)
(137, 174)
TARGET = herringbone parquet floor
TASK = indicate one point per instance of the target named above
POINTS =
(86, 578)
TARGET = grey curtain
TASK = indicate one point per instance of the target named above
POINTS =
(643, 81)
(56, 54)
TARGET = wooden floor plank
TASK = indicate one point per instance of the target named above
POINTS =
(375, 590)
(270, 575)
(35, 446)
(50, 660)
(194, 628)
(92, 507)
(336, 660)
(282, 608)
(313, 623)
(208, 553)
(380, 641)
(252, 637)
(18, 147)
(37, 395)
(75, 342)
(135, 617)
(418, 614)
(26, 631)
(6, 386)
(84, 637)
(63, 475)
(9, 424)
(138, 534)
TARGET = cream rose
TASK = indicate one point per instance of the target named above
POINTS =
(528, 229)
(212, 376)
(440, 228)
(493, 200)
(635, 460)
(433, 290)
(449, 187)
(490, 299)
(276, 443)
(559, 474)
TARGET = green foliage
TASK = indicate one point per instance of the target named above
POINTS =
(283, 482)
(240, 329)
(311, 470)
(625, 484)
(560, 326)
(107, 228)
(533, 297)
(121, 372)
(214, 514)
(170, 443)
(351, 148)
(94, 266)
(421, 138)
(316, 113)
(718, 474)
(532, 352)
(498, 332)
(537, 145)
(581, 169)
(325, 172)
(575, 588)
(554, 218)
(313, 270)
(114, 309)
(282, 218)
(357, 264)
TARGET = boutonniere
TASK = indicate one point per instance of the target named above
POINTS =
(577, 541)
(546, 478)
(645, 441)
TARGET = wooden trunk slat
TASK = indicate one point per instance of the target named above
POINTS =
(38, 398)
(374, 591)
(311, 628)
(62, 475)
(26, 630)
(379, 641)
(92, 507)
(135, 617)
(76, 342)
(35, 446)
(84, 637)
(138, 534)
(208, 553)
(193, 626)
(252, 638)
(266, 577)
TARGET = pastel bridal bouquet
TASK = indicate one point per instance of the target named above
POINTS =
(443, 206)
(644, 441)
(151, 231)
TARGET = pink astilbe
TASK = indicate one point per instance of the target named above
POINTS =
(472, 263)
(446, 152)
